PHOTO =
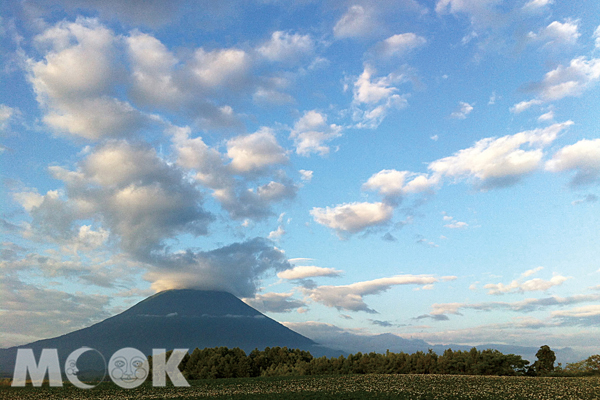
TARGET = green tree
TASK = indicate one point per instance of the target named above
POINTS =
(545, 360)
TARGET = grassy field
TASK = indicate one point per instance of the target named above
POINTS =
(337, 387)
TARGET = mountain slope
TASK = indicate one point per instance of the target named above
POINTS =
(184, 318)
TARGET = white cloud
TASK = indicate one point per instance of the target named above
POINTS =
(374, 97)
(534, 5)
(220, 67)
(596, 36)
(582, 157)
(400, 44)
(371, 91)
(481, 12)
(549, 116)
(6, 113)
(524, 105)
(498, 162)
(252, 154)
(306, 175)
(274, 302)
(83, 69)
(532, 285)
(527, 305)
(152, 71)
(357, 22)
(579, 312)
(303, 272)
(530, 272)
(271, 96)
(567, 81)
(255, 152)
(558, 34)
(97, 118)
(276, 234)
(311, 132)
(77, 78)
(350, 297)
(137, 196)
(392, 184)
(286, 47)
(463, 110)
(457, 225)
(353, 217)
(195, 154)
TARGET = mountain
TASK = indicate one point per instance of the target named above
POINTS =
(184, 318)
(353, 343)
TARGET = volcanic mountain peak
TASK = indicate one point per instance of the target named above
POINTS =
(191, 303)
(182, 318)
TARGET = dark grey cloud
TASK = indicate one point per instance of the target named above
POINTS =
(236, 268)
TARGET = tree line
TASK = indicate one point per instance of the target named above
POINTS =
(222, 362)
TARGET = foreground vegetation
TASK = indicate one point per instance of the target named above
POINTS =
(451, 387)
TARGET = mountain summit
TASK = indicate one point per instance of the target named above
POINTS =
(184, 318)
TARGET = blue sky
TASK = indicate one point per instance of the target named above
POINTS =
(424, 168)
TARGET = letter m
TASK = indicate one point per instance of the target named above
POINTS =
(37, 371)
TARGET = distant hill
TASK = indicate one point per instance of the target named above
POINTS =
(353, 343)
(183, 318)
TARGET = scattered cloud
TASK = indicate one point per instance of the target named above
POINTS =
(350, 297)
(356, 22)
(535, 5)
(546, 117)
(385, 324)
(303, 272)
(75, 82)
(524, 105)
(568, 81)
(219, 67)
(32, 312)
(6, 113)
(557, 34)
(276, 234)
(589, 198)
(582, 157)
(374, 97)
(527, 305)
(464, 109)
(532, 285)
(483, 13)
(456, 225)
(306, 175)
(398, 45)
(498, 162)
(532, 271)
(579, 316)
(311, 132)
(286, 47)
(274, 302)
(255, 152)
(140, 198)
(394, 184)
(353, 217)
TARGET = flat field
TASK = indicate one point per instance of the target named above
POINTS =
(336, 387)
